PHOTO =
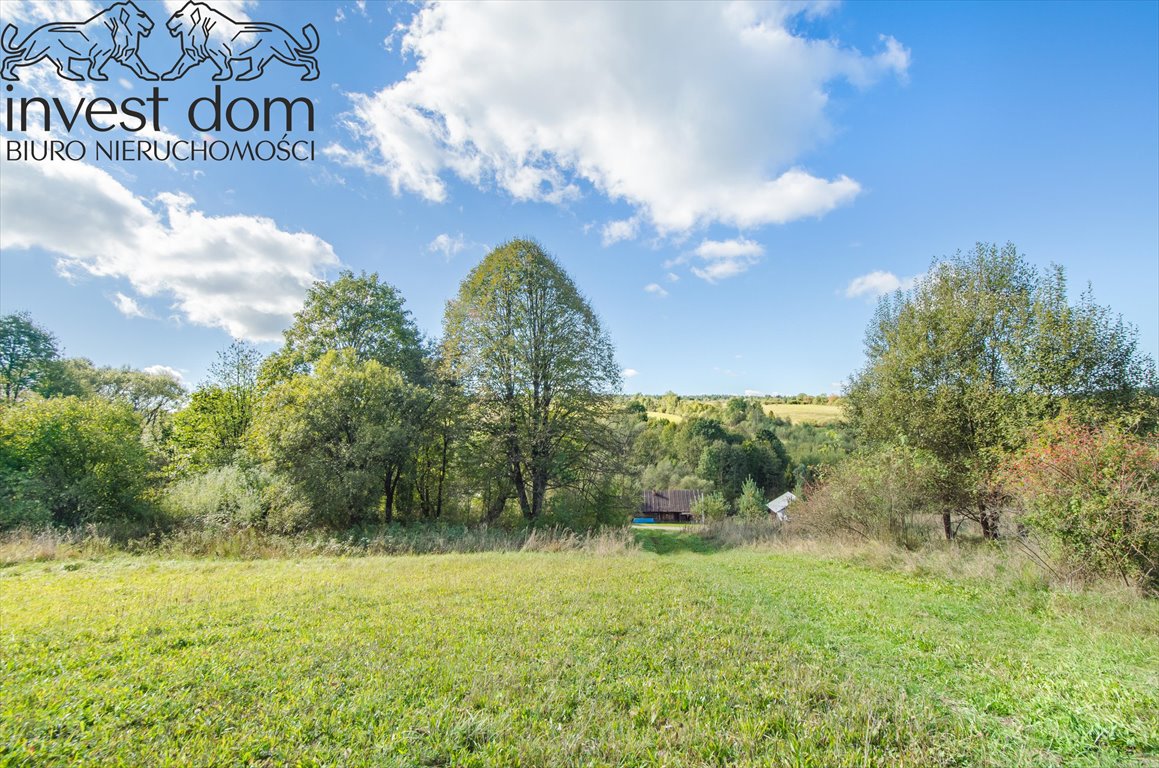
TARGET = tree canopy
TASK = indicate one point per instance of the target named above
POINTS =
(358, 313)
(982, 347)
(530, 352)
(27, 354)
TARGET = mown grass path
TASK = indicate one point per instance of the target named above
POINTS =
(689, 658)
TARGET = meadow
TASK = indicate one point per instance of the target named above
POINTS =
(799, 413)
(675, 653)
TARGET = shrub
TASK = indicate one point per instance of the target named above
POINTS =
(70, 461)
(228, 496)
(710, 506)
(751, 504)
(602, 505)
(876, 495)
(1094, 495)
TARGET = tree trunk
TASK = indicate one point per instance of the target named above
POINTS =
(495, 508)
(947, 527)
(521, 491)
(538, 492)
(442, 477)
(988, 522)
(388, 507)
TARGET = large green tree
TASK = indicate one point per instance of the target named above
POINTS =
(357, 313)
(983, 346)
(343, 434)
(27, 355)
(539, 370)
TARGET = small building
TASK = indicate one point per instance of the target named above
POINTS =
(672, 506)
(778, 506)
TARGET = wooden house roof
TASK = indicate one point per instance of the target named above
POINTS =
(656, 502)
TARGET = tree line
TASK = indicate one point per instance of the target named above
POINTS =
(988, 401)
(355, 419)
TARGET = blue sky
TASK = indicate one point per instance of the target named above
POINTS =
(730, 184)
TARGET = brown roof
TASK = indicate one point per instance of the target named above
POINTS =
(670, 501)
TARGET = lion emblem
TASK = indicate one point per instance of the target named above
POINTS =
(111, 35)
(209, 35)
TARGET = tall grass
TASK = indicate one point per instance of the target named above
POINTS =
(251, 544)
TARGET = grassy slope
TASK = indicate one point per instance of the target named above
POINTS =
(688, 657)
(806, 414)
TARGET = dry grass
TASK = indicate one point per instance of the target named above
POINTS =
(251, 544)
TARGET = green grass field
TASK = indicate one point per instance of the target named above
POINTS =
(676, 655)
(806, 414)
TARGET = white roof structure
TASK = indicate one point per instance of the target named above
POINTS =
(778, 505)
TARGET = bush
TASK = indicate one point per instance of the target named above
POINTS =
(876, 495)
(238, 497)
(751, 504)
(1094, 495)
(69, 461)
(228, 496)
(601, 507)
(709, 507)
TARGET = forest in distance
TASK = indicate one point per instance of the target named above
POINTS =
(990, 405)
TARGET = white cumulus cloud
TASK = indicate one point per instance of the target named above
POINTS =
(878, 283)
(241, 273)
(128, 306)
(692, 113)
(655, 289)
(624, 229)
(47, 11)
(723, 259)
(629, 373)
(447, 245)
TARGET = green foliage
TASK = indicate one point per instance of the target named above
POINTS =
(357, 314)
(211, 430)
(538, 369)
(982, 347)
(878, 494)
(710, 506)
(751, 503)
(727, 465)
(71, 461)
(343, 435)
(27, 355)
(235, 496)
(602, 506)
(150, 395)
(223, 497)
(205, 432)
(1094, 494)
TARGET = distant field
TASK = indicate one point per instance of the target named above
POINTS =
(676, 419)
(678, 655)
(806, 414)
